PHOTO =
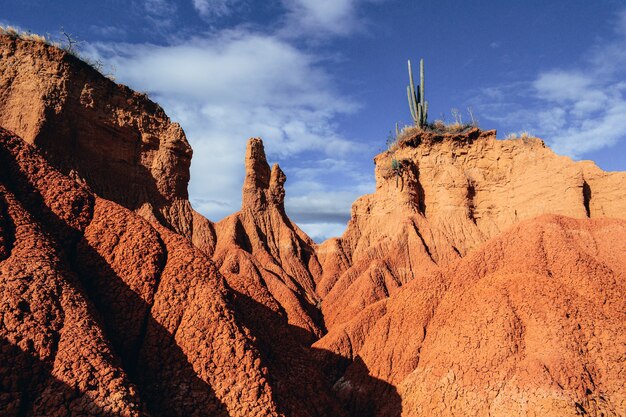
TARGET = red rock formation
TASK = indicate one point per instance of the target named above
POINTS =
(55, 357)
(118, 141)
(262, 253)
(271, 265)
(530, 323)
(437, 300)
(94, 298)
(453, 193)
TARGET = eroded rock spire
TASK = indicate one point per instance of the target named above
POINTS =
(262, 187)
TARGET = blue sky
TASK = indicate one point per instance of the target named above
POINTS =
(323, 82)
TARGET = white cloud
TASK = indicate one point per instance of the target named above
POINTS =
(577, 110)
(325, 206)
(332, 16)
(560, 86)
(319, 18)
(319, 232)
(212, 9)
(227, 87)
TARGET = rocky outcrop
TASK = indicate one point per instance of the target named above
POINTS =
(271, 265)
(446, 295)
(104, 134)
(105, 314)
(530, 323)
(262, 253)
(54, 356)
(447, 195)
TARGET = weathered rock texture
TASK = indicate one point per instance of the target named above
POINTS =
(262, 253)
(118, 141)
(529, 324)
(105, 314)
(446, 295)
(452, 194)
(271, 264)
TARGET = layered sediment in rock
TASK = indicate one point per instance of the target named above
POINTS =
(118, 141)
(447, 195)
(447, 295)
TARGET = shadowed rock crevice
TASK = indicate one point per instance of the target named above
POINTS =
(421, 238)
(28, 388)
(133, 362)
(7, 228)
(587, 197)
(302, 387)
(471, 206)
(421, 197)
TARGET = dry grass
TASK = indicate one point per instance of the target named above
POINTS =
(28, 36)
(69, 47)
(438, 126)
(519, 135)
(408, 132)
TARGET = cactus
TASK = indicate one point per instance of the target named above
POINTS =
(417, 104)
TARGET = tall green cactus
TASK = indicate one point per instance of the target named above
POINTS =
(417, 104)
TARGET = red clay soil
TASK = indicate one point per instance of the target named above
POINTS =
(108, 314)
(529, 324)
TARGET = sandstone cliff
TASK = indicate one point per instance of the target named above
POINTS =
(529, 324)
(447, 294)
(118, 141)
(453, 193)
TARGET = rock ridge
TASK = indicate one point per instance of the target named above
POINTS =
(452, 193)
(482, 277)
(100, 133)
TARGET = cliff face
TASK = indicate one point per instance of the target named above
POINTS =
(452, 193)
(479, 324)
(114, 139)
(483, 277)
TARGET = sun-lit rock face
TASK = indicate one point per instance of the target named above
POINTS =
(104, 134)
(529, 323)
(454, 192)
(417, 294)
(482, 277)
